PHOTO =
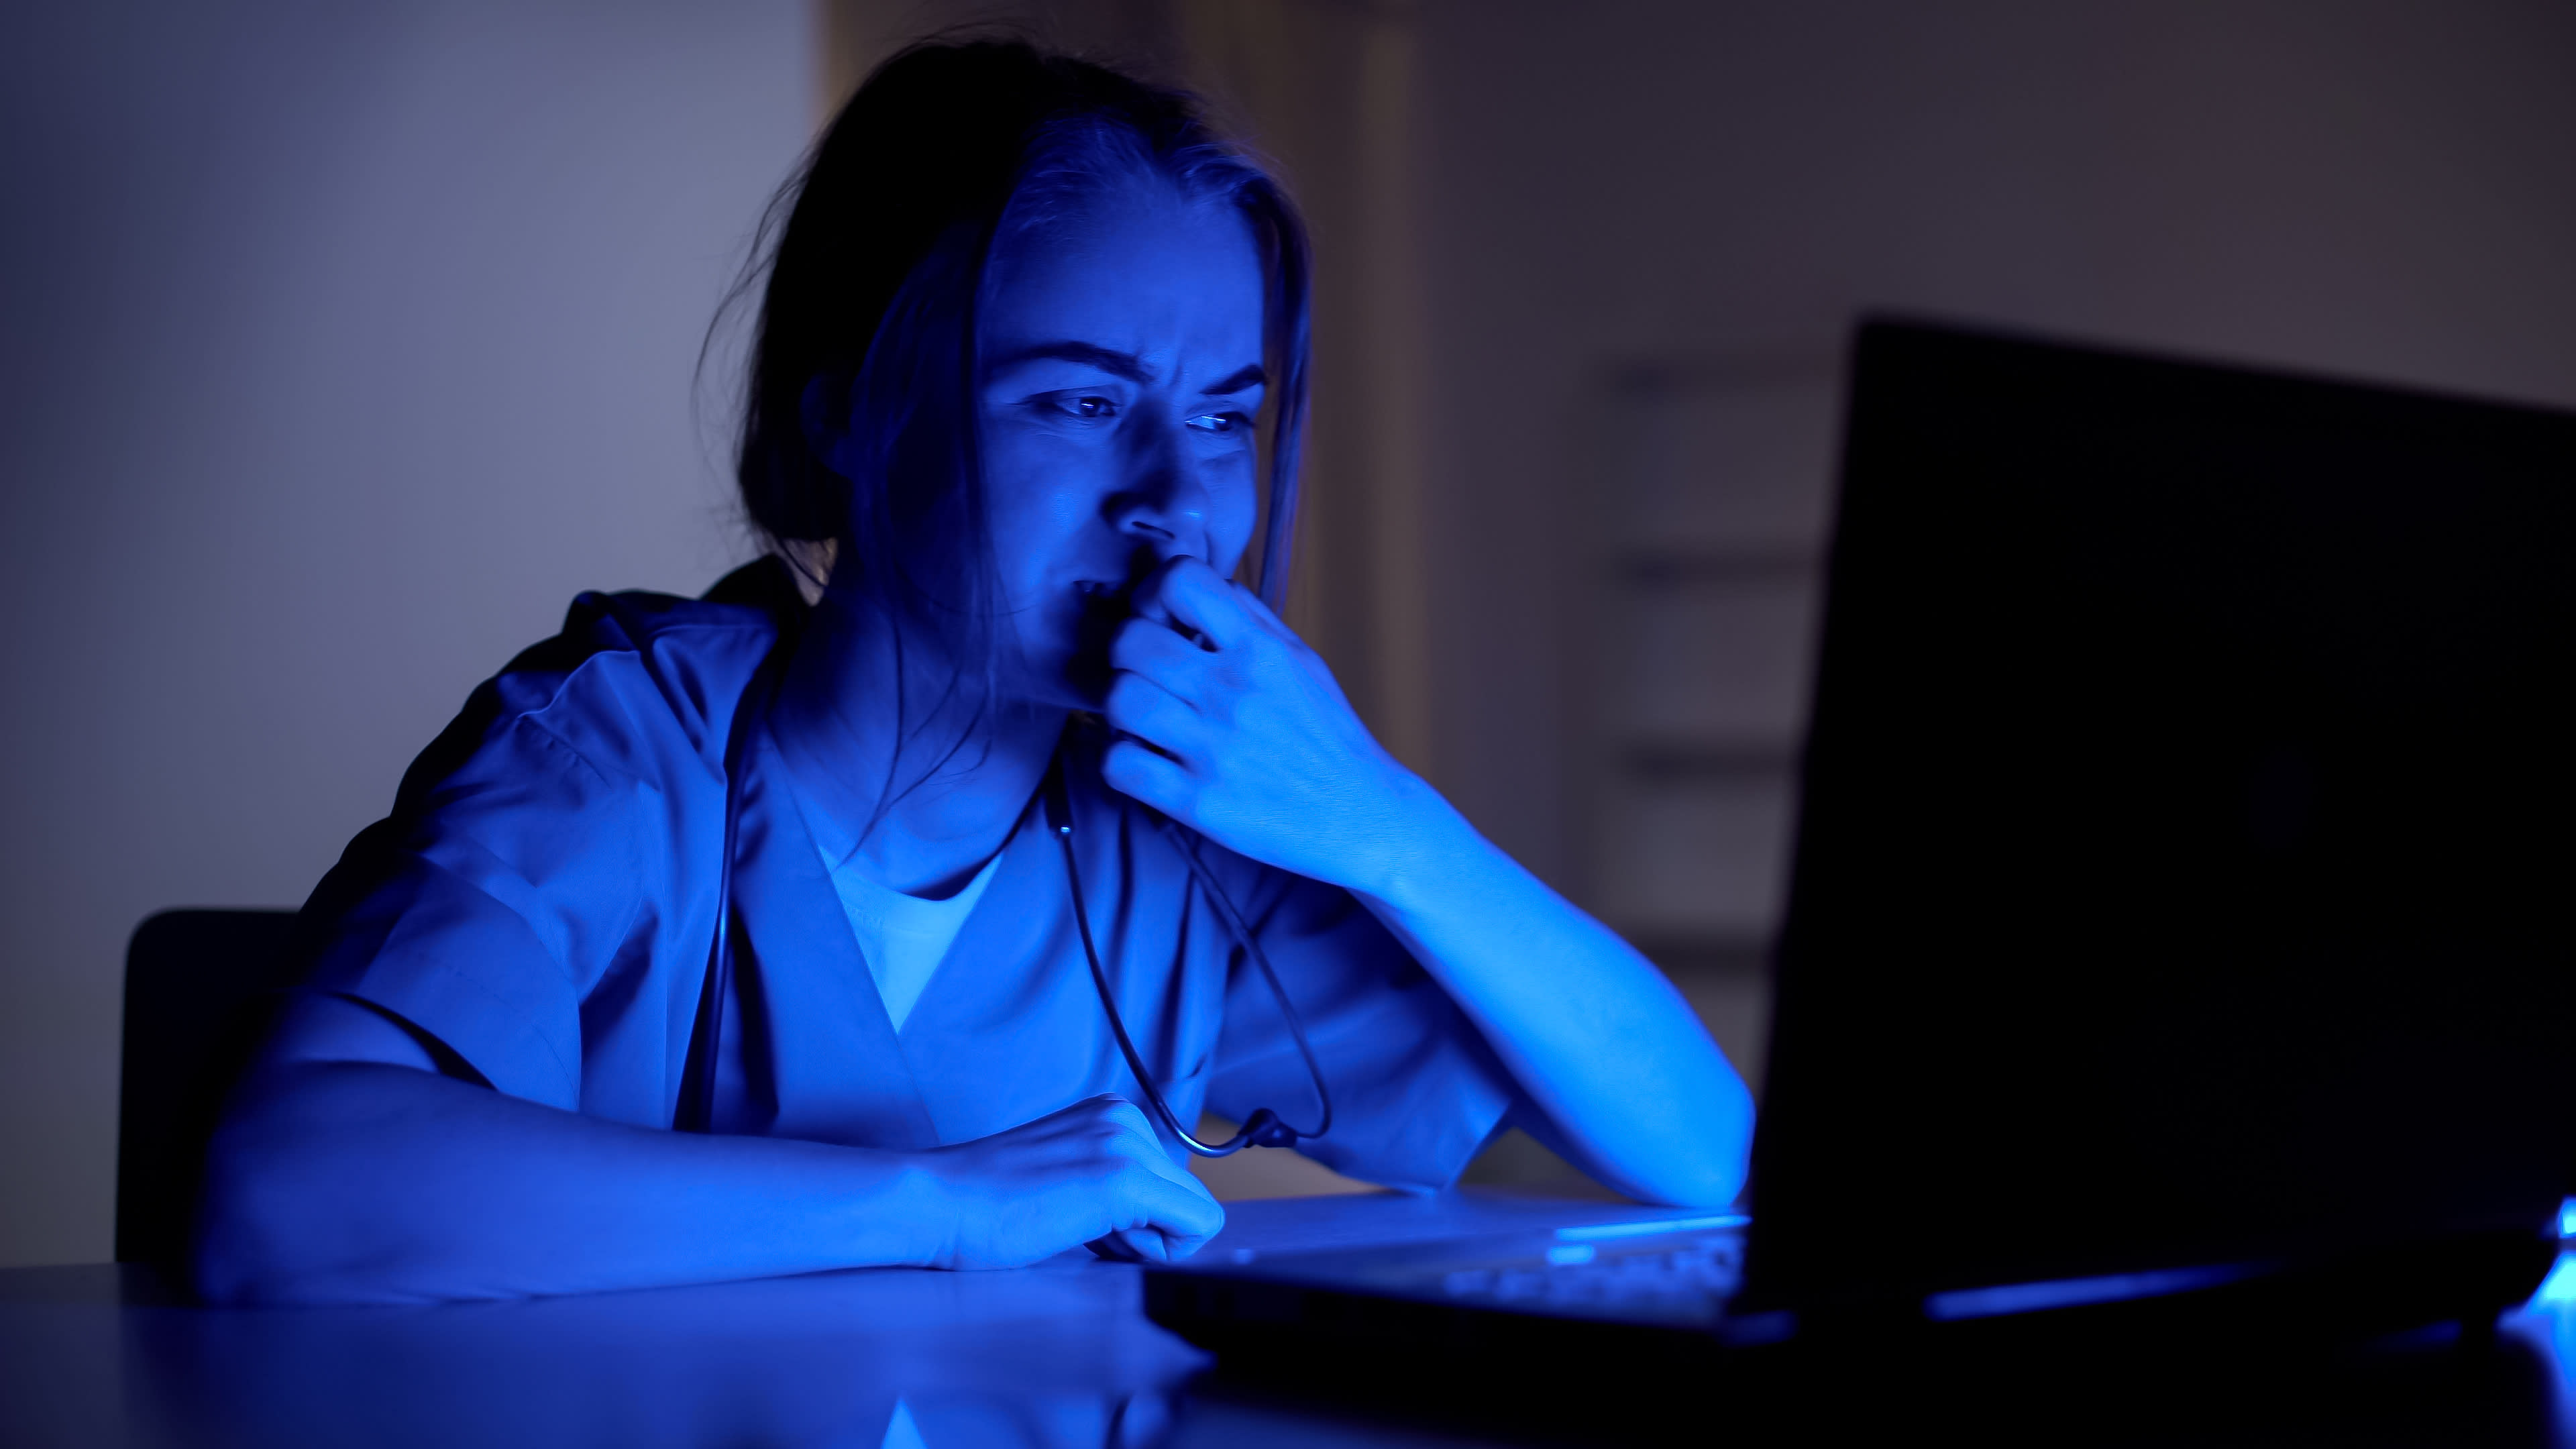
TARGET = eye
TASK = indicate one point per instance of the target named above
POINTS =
(1219, 423)
(1089, 406)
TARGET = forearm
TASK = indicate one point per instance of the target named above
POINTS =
(364, 1182)
(1594, 1034)
(1231, 725)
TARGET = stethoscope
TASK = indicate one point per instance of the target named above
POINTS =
(1263, 1129)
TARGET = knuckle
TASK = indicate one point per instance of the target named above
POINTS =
(1123, 767)
(1129, 695)
(1138, 632)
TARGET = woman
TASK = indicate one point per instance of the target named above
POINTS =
(850, 891)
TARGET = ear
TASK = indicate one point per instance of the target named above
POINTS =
(823, 410)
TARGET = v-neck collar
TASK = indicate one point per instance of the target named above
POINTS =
(822, 1059)
(991, 936)
(838, 1070)
(854, 890)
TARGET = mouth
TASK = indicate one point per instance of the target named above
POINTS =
(1105, 605)
(1106, 600)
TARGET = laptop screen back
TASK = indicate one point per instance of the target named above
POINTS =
(2186, 869)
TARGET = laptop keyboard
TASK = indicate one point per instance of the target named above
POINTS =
(1659, 1280)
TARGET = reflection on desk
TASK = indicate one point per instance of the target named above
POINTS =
(1059, 1354)
(1042, 1356)
(1056, 1354)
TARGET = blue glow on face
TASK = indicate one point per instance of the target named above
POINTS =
(1122, 373)
(1641, 1230)
(2071, 1292)
(2567, 1218)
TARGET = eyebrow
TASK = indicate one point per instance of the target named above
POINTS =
(1126, 365)
(1242, 380)
(1109, 360)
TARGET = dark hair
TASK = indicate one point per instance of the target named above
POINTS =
(874, 254)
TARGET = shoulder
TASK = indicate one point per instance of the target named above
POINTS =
(634, 685)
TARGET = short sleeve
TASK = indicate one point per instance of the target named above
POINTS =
(1416, 1091)
(482, 913)
(521, 903)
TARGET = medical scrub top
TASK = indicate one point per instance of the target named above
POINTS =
(542, 903)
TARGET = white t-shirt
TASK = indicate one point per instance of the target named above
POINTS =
(903, 938)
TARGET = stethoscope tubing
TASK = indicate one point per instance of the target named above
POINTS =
(1264, 1128)
(696, 1110)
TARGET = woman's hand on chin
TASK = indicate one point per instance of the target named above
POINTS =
(1231, 725)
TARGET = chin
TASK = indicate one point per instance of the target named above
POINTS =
(1083, 684)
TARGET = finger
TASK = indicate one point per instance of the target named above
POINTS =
(1145, 1147)
(1258, 612)
(1140, 707)
(1186, 1214)
(1134, 1137)
(1141, 1245)
(1081, 1116)
(1124, 1115)
(1135, 1132)
(1148, 1189)
(1143, 646)
(1189, 595)
(1120, 1247)
(1149, 779)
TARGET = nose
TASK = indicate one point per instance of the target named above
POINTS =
(1161, 503)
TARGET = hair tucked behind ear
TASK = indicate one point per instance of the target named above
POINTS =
(869, 263)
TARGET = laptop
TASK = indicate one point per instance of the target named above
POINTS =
(2179, 928)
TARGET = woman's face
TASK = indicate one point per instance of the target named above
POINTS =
(1122, 373)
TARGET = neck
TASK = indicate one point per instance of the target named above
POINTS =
(913, 784)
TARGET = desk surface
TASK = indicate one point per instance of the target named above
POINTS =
(1057, 1354)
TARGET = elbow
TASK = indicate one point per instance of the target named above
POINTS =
(1730, 1147)
(268, 1230)
(1714, 1175)
(1716, 1183)
(244, 1245)
(230, 1266)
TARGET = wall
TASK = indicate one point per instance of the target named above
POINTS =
(1642, 186)
(2381, 189)
(344, 345)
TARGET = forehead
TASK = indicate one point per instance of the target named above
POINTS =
(1139, 270)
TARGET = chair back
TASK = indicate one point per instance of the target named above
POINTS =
(200, 990)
